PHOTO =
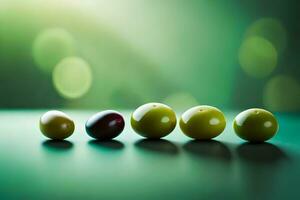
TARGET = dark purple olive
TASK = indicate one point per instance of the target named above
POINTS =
(105, 125)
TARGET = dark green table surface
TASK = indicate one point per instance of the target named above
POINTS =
(32, 167)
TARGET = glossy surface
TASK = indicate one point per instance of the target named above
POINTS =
(153, 120)
(202, 122)
(105, 125)
(56, 125)
(130, 167)
(255, 125)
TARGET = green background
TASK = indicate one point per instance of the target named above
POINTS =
(172, 51)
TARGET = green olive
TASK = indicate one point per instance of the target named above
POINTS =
(202, 122)
(56, 125)
(153, 120)
(255, 125)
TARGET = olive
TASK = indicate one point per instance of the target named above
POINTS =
(255, 125)
(202, 122)
(153, 120)
(105, 125)
(56, 125)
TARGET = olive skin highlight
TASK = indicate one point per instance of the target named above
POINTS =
(153, 120)
(255, 125)
(202, 122)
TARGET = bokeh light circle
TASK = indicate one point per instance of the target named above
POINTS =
(72, 77)
(180, 101)
(282, 93)
(50, 46)
(258, 57)
(271, 29)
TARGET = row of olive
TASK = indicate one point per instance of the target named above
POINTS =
(156, 120)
